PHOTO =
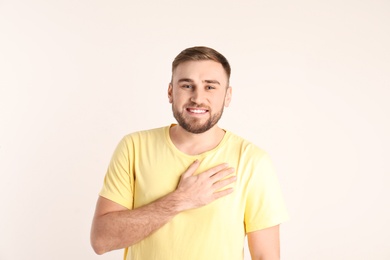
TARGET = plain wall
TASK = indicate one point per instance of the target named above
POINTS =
(311, 86)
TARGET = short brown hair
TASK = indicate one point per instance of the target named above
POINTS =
(199, 53)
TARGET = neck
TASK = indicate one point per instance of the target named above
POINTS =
(194, 144)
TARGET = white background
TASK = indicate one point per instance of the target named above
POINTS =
(311, 85)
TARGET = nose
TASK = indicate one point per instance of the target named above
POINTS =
(197, 96)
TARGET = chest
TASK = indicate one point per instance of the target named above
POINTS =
(157, 174)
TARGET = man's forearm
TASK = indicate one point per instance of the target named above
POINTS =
(122, 229)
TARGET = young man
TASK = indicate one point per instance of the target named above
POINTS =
(190, 190)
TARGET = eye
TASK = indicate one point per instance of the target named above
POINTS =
(187, 86)
(210, 87)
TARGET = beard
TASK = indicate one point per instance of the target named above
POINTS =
(193, 125)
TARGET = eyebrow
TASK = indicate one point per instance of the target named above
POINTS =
(212, 82)
(185, 80)
(207, 81)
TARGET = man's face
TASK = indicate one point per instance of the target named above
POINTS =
(198, 92)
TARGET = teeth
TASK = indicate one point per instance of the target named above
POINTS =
(197, 111)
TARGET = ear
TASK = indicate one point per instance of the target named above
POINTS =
(170, 89)
(228, 96)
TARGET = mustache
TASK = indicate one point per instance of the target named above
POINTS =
(195, 105)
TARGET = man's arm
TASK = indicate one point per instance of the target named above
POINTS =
(264, 244)
(115, 227)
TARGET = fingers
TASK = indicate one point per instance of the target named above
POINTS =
(222, 193)
(212, 171)
(201, 189)
(190, 171)
(219, 182)
(222, 183)
(216, 176)
(221, 174)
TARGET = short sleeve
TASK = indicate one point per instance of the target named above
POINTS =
(265, 206)
(119, 180)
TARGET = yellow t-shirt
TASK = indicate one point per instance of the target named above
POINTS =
(146, 166)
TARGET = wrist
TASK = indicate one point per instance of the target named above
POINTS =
(175, 202)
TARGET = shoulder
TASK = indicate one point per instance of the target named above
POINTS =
(139, 138)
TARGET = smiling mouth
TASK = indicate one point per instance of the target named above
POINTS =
(197, 110)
